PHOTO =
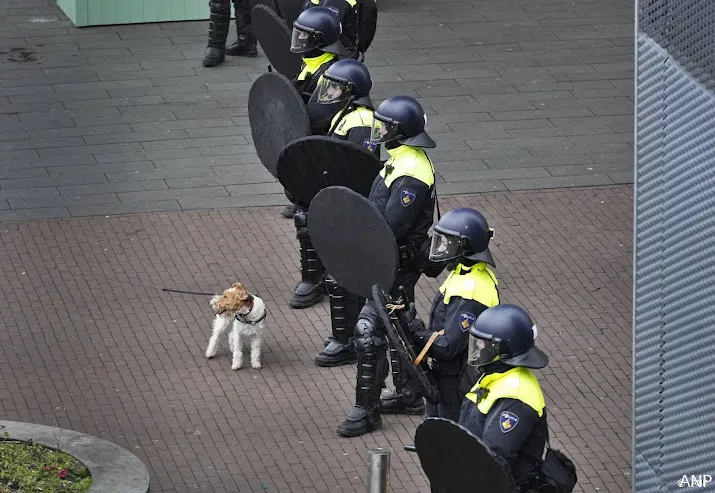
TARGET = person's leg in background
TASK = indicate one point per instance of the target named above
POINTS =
(245, 44)
(219, 20)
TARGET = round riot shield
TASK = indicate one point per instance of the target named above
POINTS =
(274, 36)
(277, 116)
(456, 461)
(289, 10)
(307, 165)
(353, 240)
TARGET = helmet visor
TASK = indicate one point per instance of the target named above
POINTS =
(444, 247)
(383, 131)
(481, 351)
(303, 41)
(377, 132)
(329, 91)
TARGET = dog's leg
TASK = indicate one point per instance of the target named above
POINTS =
(237, 349)
(256, 344)
(218, 328)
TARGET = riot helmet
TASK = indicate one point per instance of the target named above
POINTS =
(505, 333)
(462, 234)
(317, 28)
(400, 119)
(343, 81)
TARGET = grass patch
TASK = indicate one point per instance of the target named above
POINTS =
(26, 467)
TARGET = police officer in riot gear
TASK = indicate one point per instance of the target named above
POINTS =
(316, 36)
(506, 407)
(219, 21)
(461, 237)
(346, 86)
(347, 12)
(404, 192)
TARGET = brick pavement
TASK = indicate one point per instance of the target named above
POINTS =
(88, 341)
(520, 94)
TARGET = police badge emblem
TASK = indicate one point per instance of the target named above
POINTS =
(466, 320)
(508, 421)
(407, 197)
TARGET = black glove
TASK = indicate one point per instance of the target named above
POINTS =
(410, 320)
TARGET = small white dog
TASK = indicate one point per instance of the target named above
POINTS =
(245, 313)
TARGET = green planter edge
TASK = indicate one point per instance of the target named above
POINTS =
(84, 13)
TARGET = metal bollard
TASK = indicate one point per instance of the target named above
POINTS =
(378, 480)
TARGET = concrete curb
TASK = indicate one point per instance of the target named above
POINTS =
(113, 468)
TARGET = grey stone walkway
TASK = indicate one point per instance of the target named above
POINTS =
(106, 120)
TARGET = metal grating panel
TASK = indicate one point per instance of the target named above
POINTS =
(685, 28)
(674, 292)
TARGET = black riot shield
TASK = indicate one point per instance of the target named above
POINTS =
(456, 461)
(277, 116)
(289, 10)
(271, 4)
(309, 164)
(353, 240)
(399, 340)
(274, 35)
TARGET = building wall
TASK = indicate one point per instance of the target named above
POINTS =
(103, 12)
(674, 292)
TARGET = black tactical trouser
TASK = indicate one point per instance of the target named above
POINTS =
(220, 20)
(450, 401)
(371, 346)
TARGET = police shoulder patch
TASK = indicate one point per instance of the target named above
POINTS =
(407, 196)
(508, 421)
(466, 320)
(369, 145)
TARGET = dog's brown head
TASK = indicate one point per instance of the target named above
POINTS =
(233, 300)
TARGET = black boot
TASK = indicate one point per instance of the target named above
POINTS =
(245, 45)
(288, 211)
(364, 416)
(309, 290)
(406, 398)
(344, 310)
(218, 32)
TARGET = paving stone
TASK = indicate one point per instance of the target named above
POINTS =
(252, 174)
(587, 169)
(234, 201)
(52, 181)
(131, 186)
(557, 182)
(173, 194)
(157, 174)
(64, 200)
(496, 174)
(117, 209)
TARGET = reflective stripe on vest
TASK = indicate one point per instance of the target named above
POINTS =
(518, 383)
(478, 284)
(311, 65)
(408, 161)
(360, 117)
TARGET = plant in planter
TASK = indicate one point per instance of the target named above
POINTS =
(26, 467)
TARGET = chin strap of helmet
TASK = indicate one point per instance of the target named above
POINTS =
(342, 114)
